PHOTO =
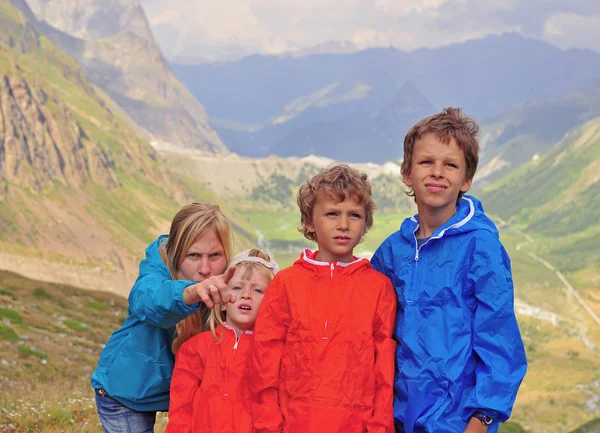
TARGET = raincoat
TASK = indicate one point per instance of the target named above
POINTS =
(459, 346)
(136, 364)
(208, 389)
(323, 353)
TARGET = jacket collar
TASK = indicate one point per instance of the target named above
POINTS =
(465, 211)
(308, 259)
(227, 326)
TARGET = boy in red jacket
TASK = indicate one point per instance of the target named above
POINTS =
(323, 353)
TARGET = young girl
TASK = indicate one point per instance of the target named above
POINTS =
(208, 393)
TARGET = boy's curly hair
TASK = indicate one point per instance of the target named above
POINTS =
(338, 181)
(450, 123)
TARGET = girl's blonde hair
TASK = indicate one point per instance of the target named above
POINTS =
(189, 224)
(269, 269)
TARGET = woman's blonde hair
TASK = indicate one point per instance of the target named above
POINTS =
(217, 314)
(189, 224)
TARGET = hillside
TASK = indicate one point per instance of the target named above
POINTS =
(78, 186)
(272, 183)
(551, 208)
(556, 198)
(50, 339)
(113, 43)
(528, 130)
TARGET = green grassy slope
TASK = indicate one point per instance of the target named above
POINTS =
(532, 128)
(556, 199)
(552, 209)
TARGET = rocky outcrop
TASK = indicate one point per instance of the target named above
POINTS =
(41, 142)
(113, 43)
(15, 30)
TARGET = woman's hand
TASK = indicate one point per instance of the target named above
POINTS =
(211, 291)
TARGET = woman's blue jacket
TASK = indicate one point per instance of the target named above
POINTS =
(136, 364)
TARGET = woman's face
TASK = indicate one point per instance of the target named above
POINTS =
(206, 257)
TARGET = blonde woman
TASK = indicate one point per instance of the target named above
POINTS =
(183, 275)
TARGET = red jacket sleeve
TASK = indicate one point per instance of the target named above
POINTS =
(186, 380)
(382, 420)
(265, 359)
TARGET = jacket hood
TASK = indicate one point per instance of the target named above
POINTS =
(153, 250)
(469, 216)
(308, 260)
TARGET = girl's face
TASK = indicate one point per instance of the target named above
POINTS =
(206, 257)
(241, 315)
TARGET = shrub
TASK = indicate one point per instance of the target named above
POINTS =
(26, 352)
(100, 306)
(75, 325)
(41, 293)
(8, 334)
(11, 315)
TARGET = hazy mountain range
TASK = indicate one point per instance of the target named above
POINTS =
(285, 105)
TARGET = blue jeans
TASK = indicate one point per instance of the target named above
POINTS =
(116, 418)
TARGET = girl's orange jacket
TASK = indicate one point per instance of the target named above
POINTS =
(208, 389)
(322, 360)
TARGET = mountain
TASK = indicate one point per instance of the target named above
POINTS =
(113, 43)
(372, 136)
(78, 186)
(284, 105)
(529, 129)
(556, 197)
(272, 183)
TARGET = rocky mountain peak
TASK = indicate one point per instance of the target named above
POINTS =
(113, 43)
(39, 145)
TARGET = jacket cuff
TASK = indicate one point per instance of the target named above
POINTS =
(185, 308)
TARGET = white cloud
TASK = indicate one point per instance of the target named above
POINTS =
(365, 38)
(233, 28)
(403, 8)
(568, 30)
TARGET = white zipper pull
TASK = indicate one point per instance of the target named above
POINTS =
(237, 339)
(417, 255)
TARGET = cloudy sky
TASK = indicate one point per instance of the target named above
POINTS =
(225, 29)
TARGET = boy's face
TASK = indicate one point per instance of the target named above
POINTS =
(338, 226)
(437, 175)
(250, 292)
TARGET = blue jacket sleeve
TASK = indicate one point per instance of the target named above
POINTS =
(501, 361)
(378, 259)
(155, 298)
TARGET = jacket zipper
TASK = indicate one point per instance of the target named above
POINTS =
(235, 346)
(324, 337)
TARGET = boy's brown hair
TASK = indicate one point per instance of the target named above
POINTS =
(338, 181)
(450, 123)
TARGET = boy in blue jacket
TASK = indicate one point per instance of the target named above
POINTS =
(460, 356)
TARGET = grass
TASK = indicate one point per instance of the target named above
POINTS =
(8, 334)
(46, 388)
(98, 306)
(75, 325)
(26, 351)
(11, 316)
